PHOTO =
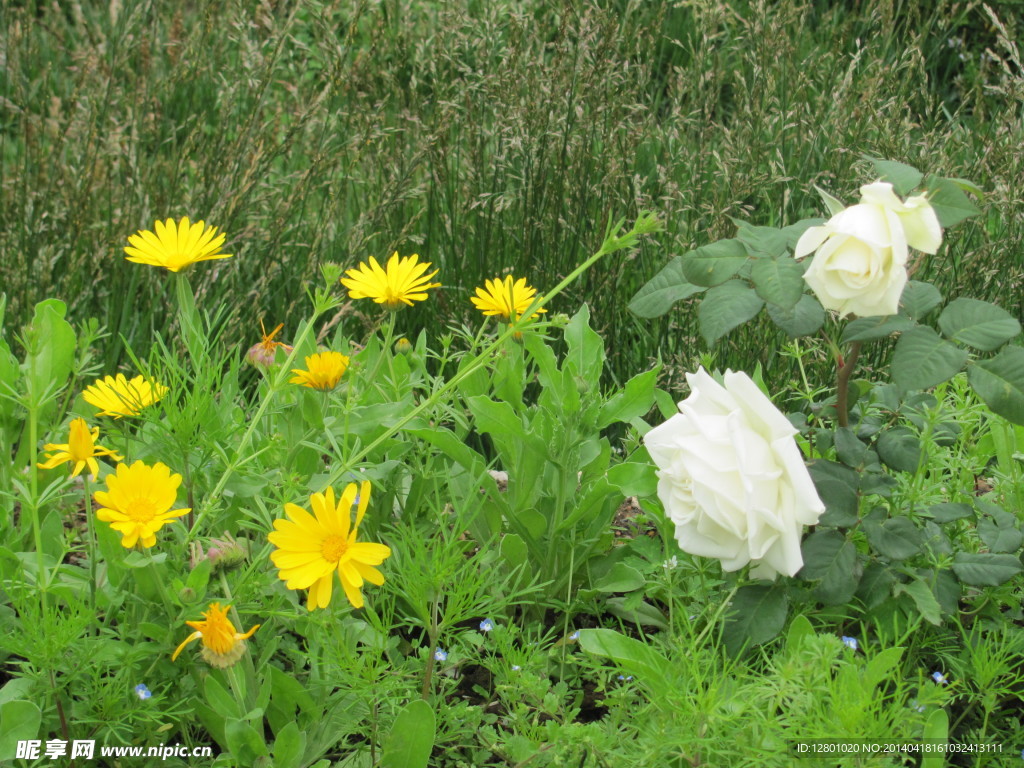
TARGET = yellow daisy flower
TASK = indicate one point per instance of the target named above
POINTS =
(310, 549)
(175, 246)
(323, 371)
(138, 501)
(263, 353)
(401, 283)
(222, 645)
(506, 298)
(80, 448)
(116, 396)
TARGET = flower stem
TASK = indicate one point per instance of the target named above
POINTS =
(90, 541)
(843, 384)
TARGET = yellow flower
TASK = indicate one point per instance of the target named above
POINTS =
(137, 502)
(310, 549)
(402, 283)
(324, 371)
(263, 353)
(175, 247)
(80, 448)
(117, 397)
(505, 298)
(222, 645)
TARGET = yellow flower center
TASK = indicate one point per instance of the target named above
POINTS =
(140, 510)
(333, 548)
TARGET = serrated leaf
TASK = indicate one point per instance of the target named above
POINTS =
(918, 299)
(850, 449)
(999, 381)
(831, 559)
(875, 585)
(802, 320)
(949, 511)
(869, 328)
(837, 489)
(757, 614)
(766, 242)
(948, 200)
(923, 598)
(897, 538)
(778, 281)
(998, 528)
(725, 307)
(411, 738)
(978, 324)
(715, 263)
(585, 348)
(985, 569)
(900, 448)
(663, 290)
(924, 359)
(904, 178)
(635, 399)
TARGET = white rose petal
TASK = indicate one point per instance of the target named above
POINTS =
(732, 479)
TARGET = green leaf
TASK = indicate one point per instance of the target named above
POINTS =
(800, 631)
(832, 560)
(949, 511)
(634, 478)
(20, 720)
(714, 263)
(923, 359)
(999, 381)
(918, 299)
(411, 739)
(289, 746)
(802, 320)
(998, 528)
(869, 328)
(978, 324)
(663, 290)
(643, 613)
(635, 657)
(897, 538)
(757, 614)
(243, 742)
(833, 204)
(495, 417)
(794, 231)
(53, 343)
(936, 730)
(875, 585)
(779, 281)
(849, 448)
(726, 306)
(585, 348)
(635, 399)
(949, 201)
(837, 488)
(621, 578)
(904, 178)
(513, 550)
(766, 242)
(900, 448)
(985, 569)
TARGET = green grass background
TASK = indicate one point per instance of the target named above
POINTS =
(487, 137)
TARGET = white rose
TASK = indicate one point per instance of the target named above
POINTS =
(732, 479)
(860, 266)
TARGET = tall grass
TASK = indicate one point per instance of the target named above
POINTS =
(486, 136)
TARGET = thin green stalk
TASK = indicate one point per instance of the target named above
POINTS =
(90, 541)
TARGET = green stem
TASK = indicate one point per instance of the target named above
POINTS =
(90, 541)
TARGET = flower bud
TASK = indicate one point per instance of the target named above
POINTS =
(403, 346)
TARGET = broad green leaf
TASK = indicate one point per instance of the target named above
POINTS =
(998, 528)
(635, 399)
(621, 578)
(766, 242)
(53, 347)
(715, 263)
(634, 478)
(918, 299)
(800, 630)
(726, 306)
(978, 324)
(837, 488)
(289, 746)
(757, 614)
(999, 381)
(985, 569)
(881, 666)
(411, 739)
(850, 449)
(642, 613)
(778, 281)
(585, 348)
(904, 178)
(243, 742)
(495, 417)
(802, 320)
(897, 538)
(20, 720)
(794, 231)
(949, 511)
(949, 201)
(875, 585)
(663, 290)
(924, 359)
(833, 204)
(637, 658)
(900, 448)
(513, 550)
(936, 730)
(868, 328)
(831, 559)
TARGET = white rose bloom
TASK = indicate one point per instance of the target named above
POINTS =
(860, 264)
(732, 478)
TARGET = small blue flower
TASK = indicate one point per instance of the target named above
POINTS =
(575, 635)
(1022, 754)
(516, 667)
(440, 655)
(939, 678)
(625, 678)
(850, 642)
(142, 691)
(486, 625)
(915, 706)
